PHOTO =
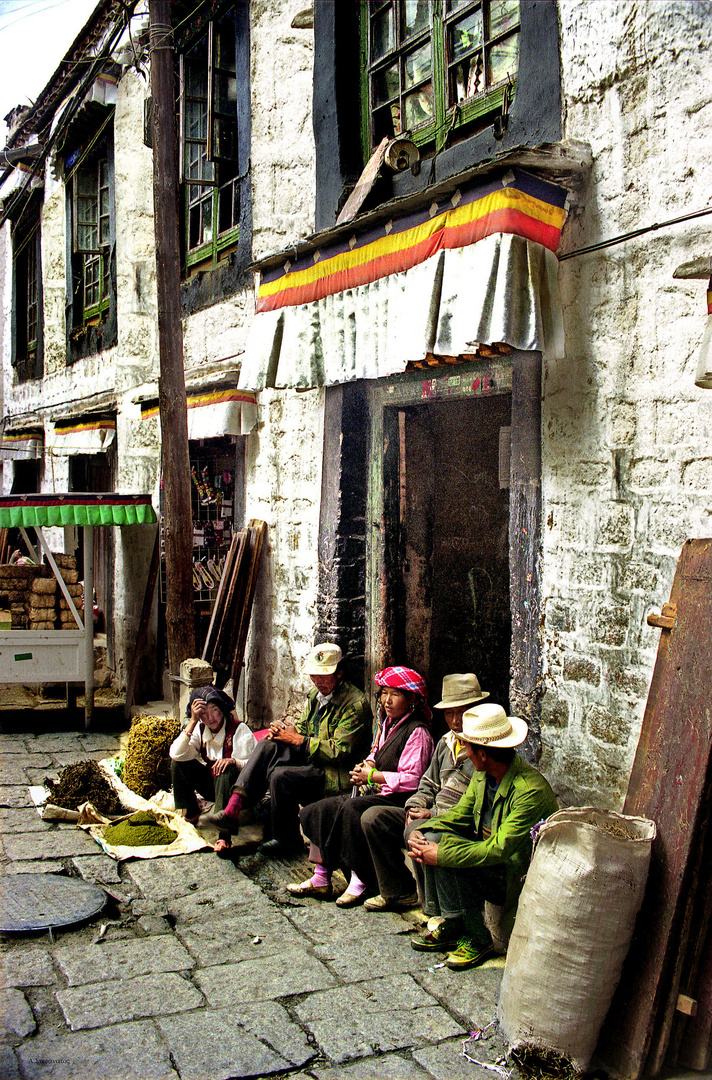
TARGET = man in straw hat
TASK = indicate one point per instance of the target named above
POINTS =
(300, 763)
(479, 851)
(442, 785)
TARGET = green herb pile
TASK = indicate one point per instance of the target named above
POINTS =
(140, 830)
(81, 782)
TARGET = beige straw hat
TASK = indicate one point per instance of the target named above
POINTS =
(489, 725)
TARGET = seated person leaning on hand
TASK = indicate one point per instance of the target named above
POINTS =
(299, 763)
(208, 754)
(441, 786)
(479, 851)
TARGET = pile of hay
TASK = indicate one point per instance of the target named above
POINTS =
(80, 782)
(147, 765)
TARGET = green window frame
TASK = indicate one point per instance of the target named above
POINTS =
(432, 66)
(27, 260)
(92, 242)
(209, 145)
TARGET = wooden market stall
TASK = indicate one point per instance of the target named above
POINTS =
(34, 656)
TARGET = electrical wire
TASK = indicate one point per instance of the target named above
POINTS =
(633, 233)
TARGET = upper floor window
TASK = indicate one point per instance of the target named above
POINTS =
(89, 181)
(209, 145)
(93, 199)
(435, 65)
(27, 307)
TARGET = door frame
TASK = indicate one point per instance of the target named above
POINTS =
(518, 374)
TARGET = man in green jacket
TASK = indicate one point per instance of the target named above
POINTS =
(480, 849)
(300, 763)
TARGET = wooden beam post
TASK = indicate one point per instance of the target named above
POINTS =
(172, 405)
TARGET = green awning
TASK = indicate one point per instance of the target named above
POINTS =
(75, 508)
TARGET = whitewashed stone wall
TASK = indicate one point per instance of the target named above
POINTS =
(627, 437)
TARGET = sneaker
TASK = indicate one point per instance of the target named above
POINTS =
(469, 953)
(442, 938)
(391, 903)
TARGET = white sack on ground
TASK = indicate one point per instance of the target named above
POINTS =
(573, 929)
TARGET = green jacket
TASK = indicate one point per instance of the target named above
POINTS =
(340, 736)
(522, 799)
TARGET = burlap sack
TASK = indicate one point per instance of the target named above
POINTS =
(573, 929)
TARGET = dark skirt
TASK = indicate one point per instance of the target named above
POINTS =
(334, 826)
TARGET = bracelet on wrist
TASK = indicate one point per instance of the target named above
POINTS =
(368, 778)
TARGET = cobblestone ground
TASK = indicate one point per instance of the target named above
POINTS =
(208, 970)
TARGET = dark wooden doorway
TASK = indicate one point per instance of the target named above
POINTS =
(441, 602)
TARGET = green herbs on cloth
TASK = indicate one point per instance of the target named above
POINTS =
(140, 830)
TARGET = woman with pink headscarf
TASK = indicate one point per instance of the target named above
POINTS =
(401, 752)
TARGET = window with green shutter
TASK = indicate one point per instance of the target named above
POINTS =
(433, 66)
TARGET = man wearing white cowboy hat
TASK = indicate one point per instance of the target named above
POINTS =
(442, 785)
(480, 849)
(300, 763)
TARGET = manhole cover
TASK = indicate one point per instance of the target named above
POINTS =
(42, 901)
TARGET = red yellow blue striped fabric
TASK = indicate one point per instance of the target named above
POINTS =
(201, 398)
(85, 425)
(519, 203)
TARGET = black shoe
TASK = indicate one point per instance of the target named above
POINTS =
(275, 849)
(222, 821)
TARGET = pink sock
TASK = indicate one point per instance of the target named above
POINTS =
(234, 804)
(355, 885)
(320, 877)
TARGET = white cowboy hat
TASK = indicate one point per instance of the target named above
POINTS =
(323, 659)
(489, 725)
(460, 690)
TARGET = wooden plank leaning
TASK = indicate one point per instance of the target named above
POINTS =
(668, 783)
(258, 530)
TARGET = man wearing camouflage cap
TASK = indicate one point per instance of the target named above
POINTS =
(300, 763)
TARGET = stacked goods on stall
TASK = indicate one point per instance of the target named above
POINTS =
(42, 603)
(14, 584)
(67, 566)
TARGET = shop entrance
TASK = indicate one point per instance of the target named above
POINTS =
(440, 554)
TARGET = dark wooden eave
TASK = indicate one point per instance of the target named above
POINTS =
(565, 163)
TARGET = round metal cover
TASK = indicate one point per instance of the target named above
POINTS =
(43, 901)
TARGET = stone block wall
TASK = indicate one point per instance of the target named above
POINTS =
(627, 466)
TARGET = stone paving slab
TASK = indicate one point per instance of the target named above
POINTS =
(55, 843)
(231, 939)
(385, 1014)
(49, 741)
(15, 795)
(16, 1016)
(446, 1061)
(13, 744)
(236, 898)
(321, 921)
(30, 866)
(132, 1051)
(175, 876)
(12, 774)
(26, 966)
(98, 1004)
(98, 868)
(106, 960)
(383, 1067)
(264, 979)
(22, 819)
(470, 995)
(223, 1043)
(9, 1067)
(353, 961)
(60, 760)
(98, 740)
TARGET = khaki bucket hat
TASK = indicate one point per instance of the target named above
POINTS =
(489, 725)
(459, 690)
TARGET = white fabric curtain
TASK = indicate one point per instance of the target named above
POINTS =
(221, 418)
(84, 438)
(502, 289)
(19, 447)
